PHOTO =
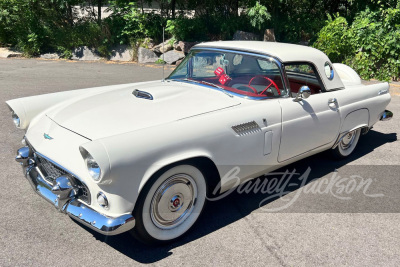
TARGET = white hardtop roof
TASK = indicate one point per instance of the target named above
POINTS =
(285, 53)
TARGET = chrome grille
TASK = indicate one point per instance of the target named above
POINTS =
(52, 171)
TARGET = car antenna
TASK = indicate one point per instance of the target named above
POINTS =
(163, 66)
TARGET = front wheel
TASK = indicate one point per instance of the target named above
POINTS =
(170, 204)
(347, 144)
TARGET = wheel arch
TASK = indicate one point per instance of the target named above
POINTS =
(358, 119)
(204, 163)
(355, 119)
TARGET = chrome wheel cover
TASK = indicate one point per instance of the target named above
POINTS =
(348, 140)
(173, 201)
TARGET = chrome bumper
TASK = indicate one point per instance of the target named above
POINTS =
(62, 196)
(386, 115)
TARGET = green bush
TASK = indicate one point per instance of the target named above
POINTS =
(371, 45)
(129, 25)
(333, 40)
(258, 15)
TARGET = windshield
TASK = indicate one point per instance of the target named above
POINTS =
(249, 76)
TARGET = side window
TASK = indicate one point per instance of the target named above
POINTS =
(300, 74)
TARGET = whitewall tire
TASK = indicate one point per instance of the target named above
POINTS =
(169, 205)
(347, 144)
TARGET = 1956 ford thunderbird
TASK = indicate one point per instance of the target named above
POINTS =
(143, 157)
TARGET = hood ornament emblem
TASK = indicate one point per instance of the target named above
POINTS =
(48, 137)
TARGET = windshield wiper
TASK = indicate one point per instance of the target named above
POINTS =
(208, 83)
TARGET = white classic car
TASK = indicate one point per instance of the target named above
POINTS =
(143, 157)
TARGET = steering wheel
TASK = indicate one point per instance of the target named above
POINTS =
(266, 88)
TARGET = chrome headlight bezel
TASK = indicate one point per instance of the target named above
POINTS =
(92, 166)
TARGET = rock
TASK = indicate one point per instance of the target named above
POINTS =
(240, 35)
(161, 49)
(9, 52)
(50, 56)
(121, 53)
(172, 56)
(185, 46)
(177, 47)
(269, 35)
(146, 55)
(147, 43)
(85, 53)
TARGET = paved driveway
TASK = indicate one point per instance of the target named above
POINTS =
(317, 223)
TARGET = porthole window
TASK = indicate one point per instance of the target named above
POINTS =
(329, 71)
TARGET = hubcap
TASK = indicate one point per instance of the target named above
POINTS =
(173, 201)
(348, 140)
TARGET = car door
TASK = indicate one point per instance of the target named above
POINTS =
(309, 123)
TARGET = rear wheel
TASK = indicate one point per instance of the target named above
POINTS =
(170, 204)
(347, 145)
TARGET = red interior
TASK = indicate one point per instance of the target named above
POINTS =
(244, 79)
(296, 84)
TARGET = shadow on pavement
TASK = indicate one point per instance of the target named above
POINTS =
(236, 206)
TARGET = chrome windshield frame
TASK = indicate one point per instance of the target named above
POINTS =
(265, 56)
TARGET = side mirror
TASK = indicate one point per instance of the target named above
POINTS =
(303, 93)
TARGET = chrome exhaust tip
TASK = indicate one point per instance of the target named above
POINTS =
(386, 115)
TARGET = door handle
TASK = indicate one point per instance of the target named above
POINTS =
(332, 101)
(333, 104)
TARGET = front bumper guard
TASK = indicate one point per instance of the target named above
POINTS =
(62, 197)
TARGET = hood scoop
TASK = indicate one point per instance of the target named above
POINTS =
(142, 94)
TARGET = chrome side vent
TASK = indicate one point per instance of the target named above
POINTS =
(142, 94)
(247, 128)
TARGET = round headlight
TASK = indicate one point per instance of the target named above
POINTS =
(93, 167)
(16, 119)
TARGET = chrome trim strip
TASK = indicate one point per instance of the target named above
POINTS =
(383, 91)
(246, 128)
(79, 211)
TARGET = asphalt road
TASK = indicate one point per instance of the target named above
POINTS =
(353, 222)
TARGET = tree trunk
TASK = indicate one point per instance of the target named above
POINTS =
(99, 4)
(173, 5)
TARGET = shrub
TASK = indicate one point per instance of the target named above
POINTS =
(371, 44)
(258, 15)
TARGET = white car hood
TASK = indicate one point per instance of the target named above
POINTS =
(116, 110)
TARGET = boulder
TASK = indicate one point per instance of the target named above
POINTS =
(177, 47)
(50, 56)
(185, 46)
(161, 49)
(85, 53)
(9, 52)
(121, 53)
(269, 35)
(172, 56)
(146, 55)
(148, 43)
(240, 35)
